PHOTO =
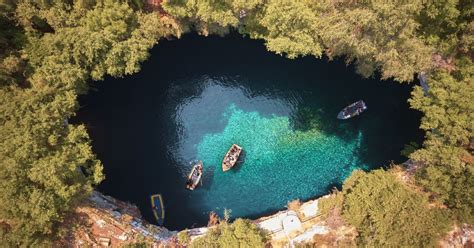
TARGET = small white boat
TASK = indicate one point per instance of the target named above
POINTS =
(195, 176)
(352, 110)
(230, 158)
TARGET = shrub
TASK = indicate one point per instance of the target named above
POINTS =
(386, 212)
(183, 237)
(241, 233)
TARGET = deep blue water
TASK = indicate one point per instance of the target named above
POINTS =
(196, 96)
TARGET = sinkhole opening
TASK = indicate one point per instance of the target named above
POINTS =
(197, 96)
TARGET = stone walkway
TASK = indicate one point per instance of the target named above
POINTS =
(294, 226)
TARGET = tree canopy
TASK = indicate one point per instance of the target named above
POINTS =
(376, 35)
(386, 212)
(241, 233)
(47, 164)
(51, 49)
(447, 152)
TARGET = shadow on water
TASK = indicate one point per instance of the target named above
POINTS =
(137, 123)
(306, 119)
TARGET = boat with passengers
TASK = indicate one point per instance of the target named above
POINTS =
(352, 110)
(194, 177)
(231, 157)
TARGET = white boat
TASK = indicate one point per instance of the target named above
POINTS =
(195, 176)
(352, 110)
(230, 158)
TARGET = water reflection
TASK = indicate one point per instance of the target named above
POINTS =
(204, 111)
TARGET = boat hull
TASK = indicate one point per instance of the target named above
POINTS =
(352, 110)
(231, 157)
(158, 208)
(195, 176)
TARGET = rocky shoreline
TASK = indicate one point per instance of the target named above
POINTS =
(105, 221)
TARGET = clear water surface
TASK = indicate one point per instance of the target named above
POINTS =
(197, 96)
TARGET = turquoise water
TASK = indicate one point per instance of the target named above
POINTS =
(197, 96)
(279, 164)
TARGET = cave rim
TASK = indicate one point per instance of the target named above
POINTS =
(349, 69)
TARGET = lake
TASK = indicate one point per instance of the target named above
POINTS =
(196, 96)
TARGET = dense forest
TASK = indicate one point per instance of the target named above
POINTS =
(51, 50)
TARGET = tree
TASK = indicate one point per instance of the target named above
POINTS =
(449, 165)
(376, 35)
(241, 233)
(444, 24)
(11, 40)
(291, 28)
(386, 212)
(210, 16)
(47, 166)
(110, 39)
(183, 237)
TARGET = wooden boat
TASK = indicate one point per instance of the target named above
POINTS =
(158, 208)
(195, 176)
(352, 110)
(230, 158)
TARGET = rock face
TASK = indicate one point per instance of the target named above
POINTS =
(105, 221)
(462, 236)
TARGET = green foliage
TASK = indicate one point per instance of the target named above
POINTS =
(210, 16)
(183, 237)
(11, 40)
(291, 28)
(386, 212)
(206, 15)
(241, 233)
(445, 24)
(137, 245)
(409, 149)
(448, 107)
(333, 201)
(376, 35)
(110, 39)
(219, 12)
(136, 4)
(449, 168)
(47, 165)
